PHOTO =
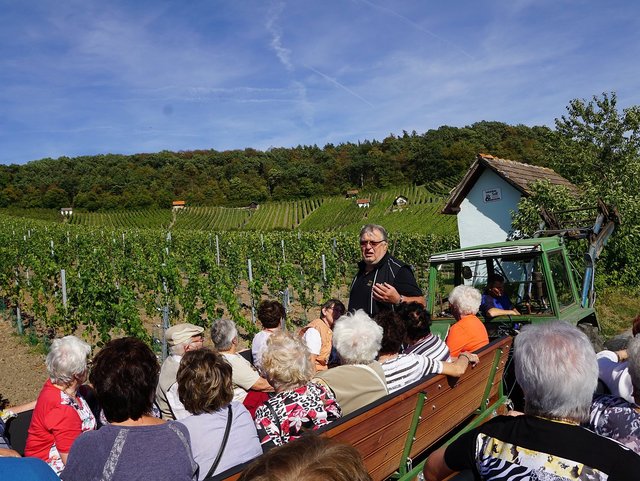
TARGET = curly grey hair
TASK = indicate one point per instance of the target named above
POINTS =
(633, 353)
(286, 361)
(466, 299)
(357, 338)
(67, 359)
(223, 332)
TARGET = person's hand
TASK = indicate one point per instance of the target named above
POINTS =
(473, 358)
(514, 413)
(9, 453)
(386, 293)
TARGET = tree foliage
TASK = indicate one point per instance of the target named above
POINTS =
(237, 177)
(597, 146)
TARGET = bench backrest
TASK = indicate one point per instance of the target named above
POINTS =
(405, 424)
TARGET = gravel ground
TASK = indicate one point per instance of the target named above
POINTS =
(22, 369)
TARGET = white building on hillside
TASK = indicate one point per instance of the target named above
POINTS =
(490, 190)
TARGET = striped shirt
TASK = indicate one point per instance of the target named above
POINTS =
(408, 368)
(432, 347)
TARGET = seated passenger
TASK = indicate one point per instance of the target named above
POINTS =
(299, 405)
(419, 339)
(494, 301)
(403, 369)
(615, 417)
(556, 367)
(468, 332)
(206, 390)
(15, 468)
(181, 338)
(61, 414)
(271, 314)
(311, 458)
(318, 334)
(6, 415)
(360, 379)
(245, 377)
(135, 444)
(613, 370)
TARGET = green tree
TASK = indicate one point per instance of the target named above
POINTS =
(597, 146)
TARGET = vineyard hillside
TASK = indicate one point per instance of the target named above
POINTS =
(420, 215)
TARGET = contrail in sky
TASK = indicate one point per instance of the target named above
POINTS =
(419, 27)
(343, 87)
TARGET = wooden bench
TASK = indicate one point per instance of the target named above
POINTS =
(404, 425)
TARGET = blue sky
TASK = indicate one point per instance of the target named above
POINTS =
(84, 77)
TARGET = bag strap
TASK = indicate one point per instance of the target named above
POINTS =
(227, 429)
(382, 381)
(114, 455)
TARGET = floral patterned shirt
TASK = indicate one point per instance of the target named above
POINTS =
(616, 418)
(57, 421)
(288, 414)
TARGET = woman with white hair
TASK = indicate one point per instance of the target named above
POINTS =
(360, 379)
(467, 333)
(61, 414)
(299, 405)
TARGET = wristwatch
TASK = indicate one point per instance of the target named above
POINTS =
(400, 300)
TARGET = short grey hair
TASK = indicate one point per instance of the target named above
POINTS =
(371, 228)
(556, 367)
(357, 338)
(286, 361)
(633, 363)
(67, 359)
(178, 349)
(466, 299)
(223, 332)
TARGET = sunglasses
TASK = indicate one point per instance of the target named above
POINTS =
(364, 243)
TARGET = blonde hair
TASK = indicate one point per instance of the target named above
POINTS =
(286, 361)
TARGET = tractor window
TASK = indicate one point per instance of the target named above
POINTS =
(524, 284)
(445, 281)
(561, 279)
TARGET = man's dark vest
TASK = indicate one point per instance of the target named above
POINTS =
(385, 271)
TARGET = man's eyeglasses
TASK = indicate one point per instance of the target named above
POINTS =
(374, 244)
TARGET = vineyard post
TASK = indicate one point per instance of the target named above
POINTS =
(19, 320)
(165, 321)
(217, 250)
(285, 299)
(63, 281)
(335, 245)
(283, 257)
(324, 268)
(52, 254)
(253, 306)
(165, 326)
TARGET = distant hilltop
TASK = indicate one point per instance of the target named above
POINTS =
(238, 177)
